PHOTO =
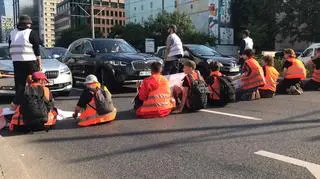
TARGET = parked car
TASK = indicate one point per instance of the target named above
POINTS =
(113, 61)
(56, 52)
(203, 56)
(309, 53)
(58, 74)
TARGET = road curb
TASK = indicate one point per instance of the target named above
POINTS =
(11, 167)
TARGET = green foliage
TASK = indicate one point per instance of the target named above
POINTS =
(300, 20)
(70, 35)
(258, 16)
(158, 29)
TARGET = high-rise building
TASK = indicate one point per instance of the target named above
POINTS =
(47, 23)
(6, 25)
(2, 8)
(141, 11)
(76, 13)
(28, 7)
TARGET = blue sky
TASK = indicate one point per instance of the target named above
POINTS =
(9, 8)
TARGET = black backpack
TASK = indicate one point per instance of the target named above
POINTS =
(102, 101)
(197, 93)
(33, 106)
(227, 89)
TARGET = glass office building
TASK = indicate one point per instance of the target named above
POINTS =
(29, 7)
(2, 8)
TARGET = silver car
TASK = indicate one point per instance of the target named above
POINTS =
(58, 74)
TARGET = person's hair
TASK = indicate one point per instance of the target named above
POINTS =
(249, 53)
(246, 33)
(173, 27)
(269, 60)
(290, 52)
(214, 66)
(156, 67)
(190, 63)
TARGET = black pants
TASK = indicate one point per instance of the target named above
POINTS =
(21, 72)
(311, 86)
(172, 67)
(266, 93)
(286, 84)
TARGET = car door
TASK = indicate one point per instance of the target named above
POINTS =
(89, 62)
(75, 59)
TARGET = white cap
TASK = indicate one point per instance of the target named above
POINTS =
(91, 79)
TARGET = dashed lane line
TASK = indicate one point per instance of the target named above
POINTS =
(231, 115)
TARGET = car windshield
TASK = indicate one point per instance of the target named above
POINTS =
(202, 50)
(5, 55)
(113, 46)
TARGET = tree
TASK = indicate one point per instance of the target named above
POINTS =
(258, 16)
(70, 35)
(299, 20)
(158, 29)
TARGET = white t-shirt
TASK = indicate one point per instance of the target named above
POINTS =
(176, 47)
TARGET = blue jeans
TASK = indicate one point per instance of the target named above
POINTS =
(242, 95)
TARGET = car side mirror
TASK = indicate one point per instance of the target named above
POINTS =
(90, 53)
(186, 53)
(56, 56)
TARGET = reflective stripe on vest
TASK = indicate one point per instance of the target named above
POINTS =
(255, 79)
(159, 99)
(20, 47)
(215, 86)
(316, 75)
(296, 70)
(272, 76)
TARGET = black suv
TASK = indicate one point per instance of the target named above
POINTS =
(113, 61)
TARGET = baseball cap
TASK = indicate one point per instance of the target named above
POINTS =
(25, 19)
(91, 79)
(40, 76)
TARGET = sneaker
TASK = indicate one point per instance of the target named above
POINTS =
(293, 90)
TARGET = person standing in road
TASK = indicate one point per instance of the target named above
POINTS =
(314, 83)
(245, 44)
(25, 53)
(174, 51)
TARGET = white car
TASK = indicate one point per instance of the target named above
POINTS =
(58, 74)
(309, 53)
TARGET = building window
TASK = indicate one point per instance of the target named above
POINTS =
(107, 13)
(111, 13)
(120, 14)
(135, 20)
(123, 14)
(175, 4)
(111, 21)
(103, 21)
(108, 21)
(96, 21)
(116, 13)
(120, 22)
(141, 7)
(103, 12)
(135, 8)
(121, 6)
(116, 22)
(151, 5)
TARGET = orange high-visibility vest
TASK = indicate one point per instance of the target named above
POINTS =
(272, 76)
(17, 119)
(296, 70)
(256, 77)
(90, 116)
(215, 87)
(158, 100)
(316, 74)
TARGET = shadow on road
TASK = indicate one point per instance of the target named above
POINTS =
(210, 133)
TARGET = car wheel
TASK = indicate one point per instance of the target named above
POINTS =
(107, 78)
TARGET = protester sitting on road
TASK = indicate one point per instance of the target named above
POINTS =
(314, 83)
(154, 95)
(192, 96)
(271, 75)
(34, 108)
(293, 72)
(221, 89)
(251, 79)
(95, 104)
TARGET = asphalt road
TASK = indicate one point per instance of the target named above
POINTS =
(217, 143)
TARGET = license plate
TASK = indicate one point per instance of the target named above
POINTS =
(50, 83)
(235, 69)
(145, 73)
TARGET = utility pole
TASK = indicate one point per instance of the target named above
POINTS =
(92, 20)
(163, 5)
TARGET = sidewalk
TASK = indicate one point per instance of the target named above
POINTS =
(11, 167)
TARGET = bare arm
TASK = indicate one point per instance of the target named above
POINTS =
(168, 45)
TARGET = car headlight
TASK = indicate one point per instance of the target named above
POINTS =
(116, 63)
(64, 70)
(210, 61)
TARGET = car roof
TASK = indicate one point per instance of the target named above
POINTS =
(314, 45)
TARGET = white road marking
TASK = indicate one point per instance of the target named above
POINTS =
(313, 168)
(232, 115)
(78, 89)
